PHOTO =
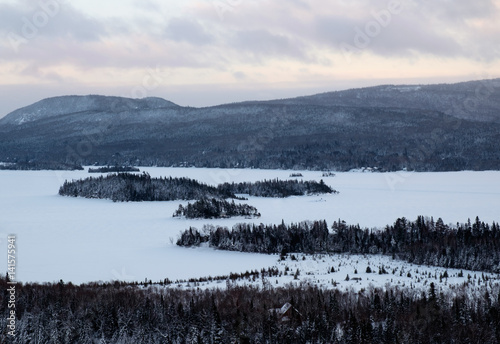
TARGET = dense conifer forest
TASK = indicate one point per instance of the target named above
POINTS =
(130, 313)
(124, 187)
(277, 188)
(40, 165)
(110, 169)
(215, 209)
(471, 246)
(141, 187)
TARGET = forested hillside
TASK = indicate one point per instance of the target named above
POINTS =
(130, 314)
(423, 128)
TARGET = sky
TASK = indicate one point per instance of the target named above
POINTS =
(209, 52)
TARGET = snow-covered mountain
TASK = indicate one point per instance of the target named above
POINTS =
(435, 127)
(473, 100)
(57, 106)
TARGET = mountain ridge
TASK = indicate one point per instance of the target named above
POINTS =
(476, 100)
(420, 127)
(482, 91)
(90, 103)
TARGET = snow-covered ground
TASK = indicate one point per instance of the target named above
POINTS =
(356, 272)
(82, 240)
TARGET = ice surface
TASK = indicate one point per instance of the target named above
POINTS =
(83, 240)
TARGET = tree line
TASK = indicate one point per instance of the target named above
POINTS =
(40, 165)
(116, 168)
(128, 313)
(141, 187)
(213, 208)
(124, 187)
(472, 245)
(277, 188)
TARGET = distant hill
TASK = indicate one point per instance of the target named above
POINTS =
(58, 106)
(421, 127)
(473, 100)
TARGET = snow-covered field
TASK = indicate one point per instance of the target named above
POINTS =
(357, 273)
(83, 240)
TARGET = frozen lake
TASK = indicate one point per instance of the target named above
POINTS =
(83, 240)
